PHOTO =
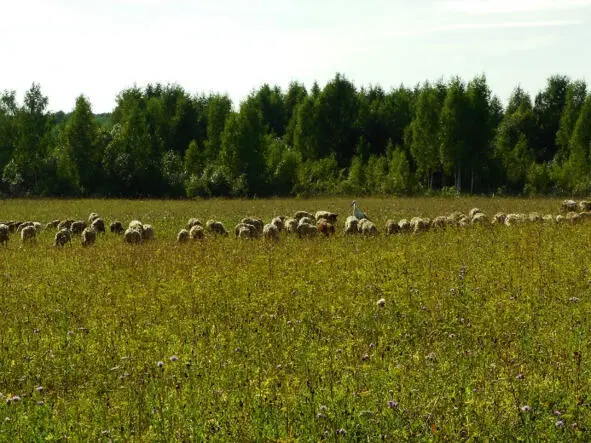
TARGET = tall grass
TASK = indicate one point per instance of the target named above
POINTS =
(484, 332)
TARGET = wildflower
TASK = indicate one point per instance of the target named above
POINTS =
(556, 412)
(381, 302)
(320, 416)
(323, 408)
(520, 376)
(574, 299)
(341, 431)
(40, 403)
(365, 357)
(371, 346)
(525, 408)
(39, 388)
(160, 364)
(173, 358)
(392, 404)
(70, 333)
(452, 335)
(280, 366)
(574, 425)
(559, 424)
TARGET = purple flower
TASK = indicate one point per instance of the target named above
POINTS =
(559, 424)
(39, 388)
(556, 412)
(174, 358)
(160, 364)
(392, 404)
(341, 431)
(381, 302)
(70, 333)
(320, 415)
(40, 403)
(371, 346)
(520, 376)
(525, 408)
(365, 357)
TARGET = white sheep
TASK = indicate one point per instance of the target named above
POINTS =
(479, 218)
(534, 217)
(256, 222)
(569, 205)
(132, 236)
(404, 226)
(351, 225)
(290, 225)
(182, 236)
(98, 225)
(499, 218)
(368, 228)
(196, 232)
(514, 219)
(473, 212)
(88, 236)
(92, 217)
(65, 224)
(584, 206)
(300, 214)
(307, 230)
(148, 232)
(62, 237)
(330, 217)
(117, 227)
(440, 222)
(28, 233)
(253, 232)
(278, 222)
(193, 222)
(77, 227)
(270, 232)
(419, 224)
(392, 227)
(216, 227)
(4, 233)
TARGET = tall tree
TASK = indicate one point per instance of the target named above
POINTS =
(218, 110)
(425, 134)
(575, 97)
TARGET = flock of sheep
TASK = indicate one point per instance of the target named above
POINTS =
(302, 224)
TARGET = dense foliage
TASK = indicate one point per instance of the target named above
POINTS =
(483, 335)
(162, 141)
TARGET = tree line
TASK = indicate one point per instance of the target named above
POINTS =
(438, 137)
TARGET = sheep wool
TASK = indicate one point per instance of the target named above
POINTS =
(132, 236)
(77, 227)
(182, 236)
(117, 228)
(88, 237)
(4, 234)
(148, 232)
(28, 233)
(196, 232)
(270, 232)
(98, 225)
(62, 237)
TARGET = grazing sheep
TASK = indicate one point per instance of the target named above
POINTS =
(548, 218)
(117, 227)
(325, 227)
(560, 219)
(270, 232)
(246, 231)
(330, 217)
(456, 216)
(182, 236)
(534, 217)
(307, 230)
(216, 227)
(23, 225)
(573, 217)
(473, 212)
(392, 227)
(301, 214)
(585, 215)
(52, 224)
(38, 227)
(12, 225)
(440, 222)
(132, 236)
(514, 219)
(307, 220)
(351, 225)
(98, 225)
(569, 205)
(77, 227)
(256, 222)
(196, 232)
(479, 218)
(62, 237)
(65, 224)
(4, 231)
(88, 236)
(193, 222)
(278, 222)
(368, 228)
(463, 222)
(253, 232)
(419, 224)
(290, 225)
(148, 232)
(28, 233)
(404, 226)
(584, 206)
(92, 217)
(499, 218)
(137, 225)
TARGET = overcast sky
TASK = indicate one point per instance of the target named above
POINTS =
(99, 48)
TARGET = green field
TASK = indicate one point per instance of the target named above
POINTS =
(484, 332)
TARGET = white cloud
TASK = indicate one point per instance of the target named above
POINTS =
(503, 25)
(512, 6)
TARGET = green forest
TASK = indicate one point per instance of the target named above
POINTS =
(442, 137)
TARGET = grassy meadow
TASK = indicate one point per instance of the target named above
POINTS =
(484, 333)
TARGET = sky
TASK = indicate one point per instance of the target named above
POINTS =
(99, 48)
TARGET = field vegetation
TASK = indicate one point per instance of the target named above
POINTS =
(471, 333)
